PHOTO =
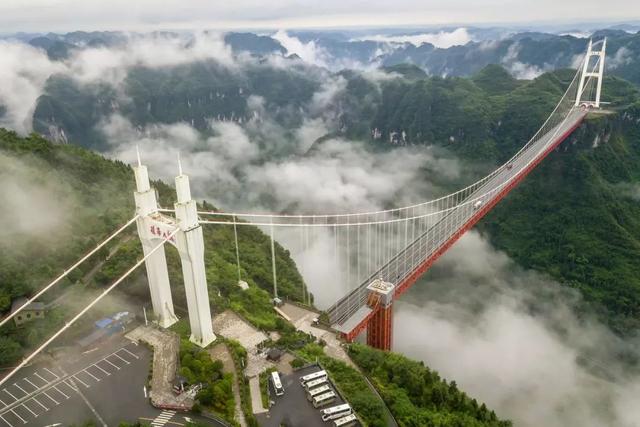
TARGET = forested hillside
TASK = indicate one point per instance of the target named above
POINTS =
(577, 217)
(418, 396)
(584, 196)
(62, 200)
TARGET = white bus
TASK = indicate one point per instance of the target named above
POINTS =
(324, 399)
(315, 383)
(277, 384)
(318, 391)
(334, 412)
(349, 420)
(314, 376)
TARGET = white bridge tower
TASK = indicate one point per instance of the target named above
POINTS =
(153, 227)
(190, 245)
(156, 264)
(587, 73)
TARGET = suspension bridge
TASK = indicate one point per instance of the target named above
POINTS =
(375, 256)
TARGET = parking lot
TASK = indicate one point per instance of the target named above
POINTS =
(48, 393)
(293, 408)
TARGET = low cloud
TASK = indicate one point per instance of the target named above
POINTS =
(577, 34)
(441, 39)
(323, 99)
(111, 64)
(511, 339)
(23, 74)
(26, 69)
(623, 56)
(629, 190)
(211, 161)
(518, 69)
(309, 52)
(340, 176)
(36, 203)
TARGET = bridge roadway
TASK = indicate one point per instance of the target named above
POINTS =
(351, 314)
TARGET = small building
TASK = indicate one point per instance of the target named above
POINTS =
(33, 311)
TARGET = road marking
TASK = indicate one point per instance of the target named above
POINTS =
(19, 417)
(60, 391)
(163, 418)
(9, 393)
(5, 421)
(132, 355)
(89, 405)
(169, 422)
(124, 360)
(38, 402)
(80, 381)
(40, 376)
(51, 398)
(34, 386)
(1, 401)
(86, 371)
(107, 360)
(96, 365)
(29, 409)
(54, 375)
(21, 389)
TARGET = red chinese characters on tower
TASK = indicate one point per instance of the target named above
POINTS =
(163, 234)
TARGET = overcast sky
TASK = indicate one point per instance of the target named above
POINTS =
(68, 15)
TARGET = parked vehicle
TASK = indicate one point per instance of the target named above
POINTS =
(313, 376)
(277, 384)
(315, 383)
(336, 412)
(324, 399)
(318, 391)
(349, 420)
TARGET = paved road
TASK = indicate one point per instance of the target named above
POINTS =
(105, 384)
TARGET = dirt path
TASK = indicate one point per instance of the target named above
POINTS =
(221, 352)
(256, 396)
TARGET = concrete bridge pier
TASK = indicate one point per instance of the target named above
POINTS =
(380, 325)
